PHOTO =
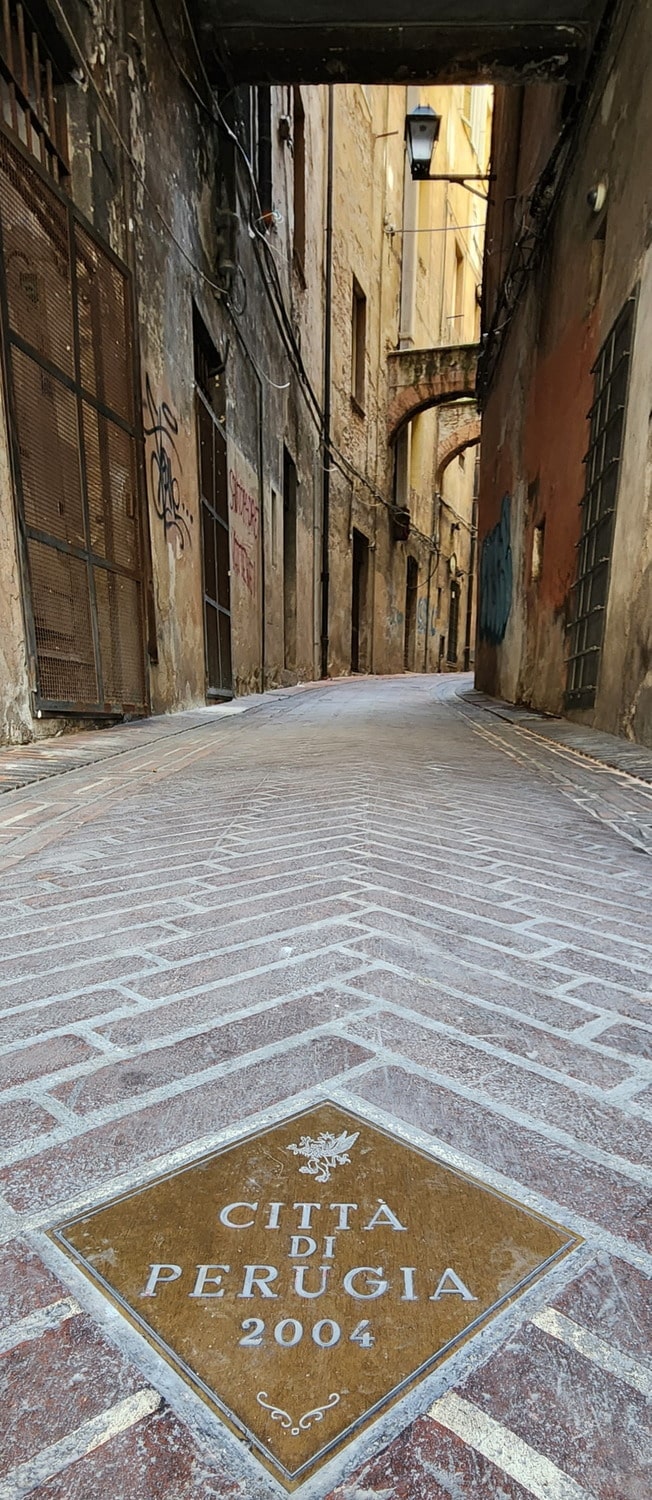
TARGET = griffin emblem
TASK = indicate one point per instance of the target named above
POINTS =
(324, 1153)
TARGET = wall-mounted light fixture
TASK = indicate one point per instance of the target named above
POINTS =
(422, 128)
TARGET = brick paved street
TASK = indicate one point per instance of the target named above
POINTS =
(369, 891)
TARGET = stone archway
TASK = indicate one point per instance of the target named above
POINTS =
(420, 378)
(462, 430)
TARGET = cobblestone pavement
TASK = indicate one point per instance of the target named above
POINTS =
(369, 891)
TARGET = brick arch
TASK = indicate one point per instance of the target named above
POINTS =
(420, 378)
(465, 434)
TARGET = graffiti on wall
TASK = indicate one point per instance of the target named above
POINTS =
(243, 504)
(496, 578)
(160, 433)
(245, 525)
(243, 565)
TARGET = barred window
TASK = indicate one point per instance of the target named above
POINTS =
(607, 417)
(32, 102)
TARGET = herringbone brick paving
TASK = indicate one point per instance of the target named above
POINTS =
(361, 892)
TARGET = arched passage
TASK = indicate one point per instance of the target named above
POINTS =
(420, 378)
(401, 41)
(464, 434)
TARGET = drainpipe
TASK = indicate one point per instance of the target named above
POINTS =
(469, 596)
(409, 247)
(328, 340)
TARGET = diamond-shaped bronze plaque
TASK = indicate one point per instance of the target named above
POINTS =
(303, 1278)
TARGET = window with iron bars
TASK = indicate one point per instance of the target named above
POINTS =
(32, 105)
(607, 417)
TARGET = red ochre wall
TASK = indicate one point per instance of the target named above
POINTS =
(535, 412)
(535, 436)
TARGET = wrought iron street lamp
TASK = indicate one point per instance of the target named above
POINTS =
(422, 128)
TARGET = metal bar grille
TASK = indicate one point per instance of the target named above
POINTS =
(68, 363)
(28, 99)
(590, 590)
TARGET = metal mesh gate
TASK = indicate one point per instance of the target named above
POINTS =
(591, 589)
(69, 368)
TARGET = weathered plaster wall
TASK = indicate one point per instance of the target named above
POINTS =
(157, 205)
(368, 127)
(535, 429)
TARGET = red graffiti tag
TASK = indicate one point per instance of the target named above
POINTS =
(244, 565)
(242, 503)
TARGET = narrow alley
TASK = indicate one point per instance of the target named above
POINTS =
(325, 750)
(374, 897)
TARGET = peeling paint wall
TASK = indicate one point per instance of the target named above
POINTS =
(157, 203)
(159, 176)
(535, 426)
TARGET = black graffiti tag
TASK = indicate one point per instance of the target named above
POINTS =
(166, 494)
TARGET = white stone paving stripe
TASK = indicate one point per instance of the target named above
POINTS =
(387, 1057)
(587, 1229)
(592, 1347)
(503, 1448)
(37, 1323)
(91, 1435)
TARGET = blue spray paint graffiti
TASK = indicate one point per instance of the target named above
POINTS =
(496, 578)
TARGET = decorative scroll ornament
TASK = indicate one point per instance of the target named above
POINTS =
(325, 1152)
(316, 1414)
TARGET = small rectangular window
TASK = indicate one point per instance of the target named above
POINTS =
(358, 345)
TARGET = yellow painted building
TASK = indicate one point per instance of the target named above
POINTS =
(407, 269)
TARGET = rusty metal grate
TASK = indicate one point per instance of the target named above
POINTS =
(63, 624)
(69, 366)
(590, 591)
(104, 326)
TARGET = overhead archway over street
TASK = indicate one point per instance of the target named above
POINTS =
(420, 378)
(343, 41)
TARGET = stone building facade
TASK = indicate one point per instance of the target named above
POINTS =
(407, 269)
(175, 267)
(156, 447)
(565, 514)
